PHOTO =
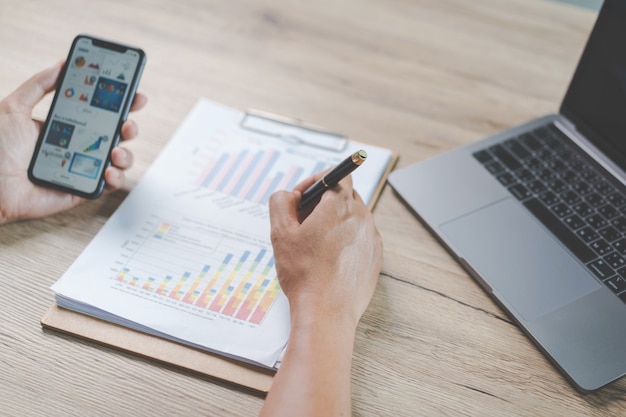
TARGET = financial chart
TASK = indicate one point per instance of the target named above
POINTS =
(201, 268)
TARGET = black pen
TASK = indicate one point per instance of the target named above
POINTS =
(333, 176)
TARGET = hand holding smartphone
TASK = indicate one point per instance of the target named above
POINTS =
(91, 102)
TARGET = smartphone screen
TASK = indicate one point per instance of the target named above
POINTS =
(91, 102)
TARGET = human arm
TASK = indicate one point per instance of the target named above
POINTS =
(19, 198)
(328, 266)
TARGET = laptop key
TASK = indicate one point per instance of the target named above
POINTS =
(596, 221)
(505, 157)
(494, 167)
(528, 140)
(610, 234)
(589, 235)
(615, 260)
(549, 198)
(595, 199)
(520, 192)
(608, 211)
(506, 179)
(574, 222)
(583, 209)
(570, 197)
(562, 210)
(483, 156)
(516, 148)
(601, 247)
(620, 246)
(616, 199)
(616, 283)
(601, 269)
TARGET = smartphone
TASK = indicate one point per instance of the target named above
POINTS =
(91, 102)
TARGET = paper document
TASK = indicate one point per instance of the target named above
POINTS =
(187, 256)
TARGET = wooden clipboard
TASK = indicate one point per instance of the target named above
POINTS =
(180, 356)
(160, 350)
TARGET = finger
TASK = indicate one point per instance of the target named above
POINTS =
(283, 209)
(36, 87)
(114, 178)
(121, 158)
(129, 130)
(139, 102)
(347, 182)
(343, 188)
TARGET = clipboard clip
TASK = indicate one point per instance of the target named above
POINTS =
(292, 131)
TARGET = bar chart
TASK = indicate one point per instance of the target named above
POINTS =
(254, 172)
(195, 265)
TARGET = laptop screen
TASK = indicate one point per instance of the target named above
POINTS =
(596, 98)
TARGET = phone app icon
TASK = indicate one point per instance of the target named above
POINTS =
(108, 94)
(60, 134)
(80, 61)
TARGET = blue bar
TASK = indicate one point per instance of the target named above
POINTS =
(262, 176)
(260, 255)
(232, 171)
(246, 175)
(271, 262)
(214, 171)
(244, 256)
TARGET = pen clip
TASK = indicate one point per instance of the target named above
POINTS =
(292, 131)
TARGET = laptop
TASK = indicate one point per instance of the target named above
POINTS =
(537, 214)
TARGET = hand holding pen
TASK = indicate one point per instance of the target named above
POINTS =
(331, 178)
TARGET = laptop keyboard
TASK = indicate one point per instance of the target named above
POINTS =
(570, 194)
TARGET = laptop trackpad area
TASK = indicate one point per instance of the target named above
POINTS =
(518, 259)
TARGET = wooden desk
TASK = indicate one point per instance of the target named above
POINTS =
(420, 76)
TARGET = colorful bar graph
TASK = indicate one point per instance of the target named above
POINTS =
(227, 288)
(266, 302)
(148, 284)
(161, 290)
(122, 275)
(176, 293)
(193, 292)
(243, 287)
(255, 294)
(209, 291)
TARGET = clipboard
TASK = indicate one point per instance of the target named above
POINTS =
(162, 351)
(180, 356)
(297, 131)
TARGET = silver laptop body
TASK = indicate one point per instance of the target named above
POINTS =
(538, 259)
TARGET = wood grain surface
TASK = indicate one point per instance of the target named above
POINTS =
(418, 76)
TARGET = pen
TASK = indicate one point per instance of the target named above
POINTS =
(331, 178)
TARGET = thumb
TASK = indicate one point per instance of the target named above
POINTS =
(36, 87)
